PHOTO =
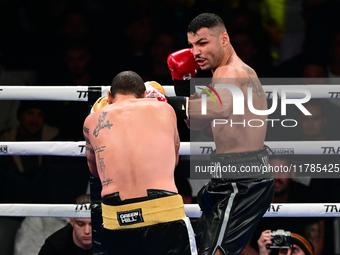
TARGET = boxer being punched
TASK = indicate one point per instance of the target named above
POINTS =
(132, 145)
(233, 203)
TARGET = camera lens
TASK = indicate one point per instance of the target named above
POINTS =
(278, 240)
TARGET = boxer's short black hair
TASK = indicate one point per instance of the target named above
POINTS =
(208, 20)
(127, 83)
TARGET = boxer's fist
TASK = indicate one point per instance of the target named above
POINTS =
(155, 90)
(182, 65)
(100, 103)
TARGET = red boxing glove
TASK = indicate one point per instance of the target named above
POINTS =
(182, 65)
(155, 90)
(156, 94)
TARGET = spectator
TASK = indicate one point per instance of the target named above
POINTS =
(249, 50)
(77, 59)
(77, 70)
(298, 245)
(313, 126)
(314, 70)
(288, 190)
(76, 66)
(75, 33)
(32, 233)
(333, 67)
(17, 35)
(8, 107)
(18, 173)
(32, 127)
(135, 48)
(303, 53)
(321, 27)
(74, 238)
(163, 45)
(75, 26)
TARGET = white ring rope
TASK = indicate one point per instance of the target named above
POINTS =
(77, 149)
(191, 210)
(80, 93)
(53, 93)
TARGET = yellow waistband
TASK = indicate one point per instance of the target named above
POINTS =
(141, 214)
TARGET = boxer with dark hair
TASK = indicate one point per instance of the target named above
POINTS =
(74, 238)
(233, 203)
(32, 127)
(298, 245)
(132, 145)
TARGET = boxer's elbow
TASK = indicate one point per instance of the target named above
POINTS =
(196, 124)
(222, 112)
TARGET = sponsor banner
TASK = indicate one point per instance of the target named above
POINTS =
(201, 148)
(82, 207)
(282, 151)
(3, 149)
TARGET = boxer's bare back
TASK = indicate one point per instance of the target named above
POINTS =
(132, 145)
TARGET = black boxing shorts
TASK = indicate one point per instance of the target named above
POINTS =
(232, 207)
(155, 224)
(96, 215)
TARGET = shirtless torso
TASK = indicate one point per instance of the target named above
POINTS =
(228, 69)
(232, 203)
(132, 145)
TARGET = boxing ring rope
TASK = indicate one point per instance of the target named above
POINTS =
(80, 93)
(191, 210)
(77, 149)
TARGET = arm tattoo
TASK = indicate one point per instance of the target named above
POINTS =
(88, 145)
(86, 130)
(89, 148)
(102, 124)
(100, 160)
(100, 149)
(107, 182)
(254, 82)
(101, 166)
(87, 140)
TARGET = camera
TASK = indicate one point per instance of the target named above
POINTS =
(280, 239)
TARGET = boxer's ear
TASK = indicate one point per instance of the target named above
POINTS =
(225, 39)
(109, 97)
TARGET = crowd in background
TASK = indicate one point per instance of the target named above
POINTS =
(59, 42)
(87, 42)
